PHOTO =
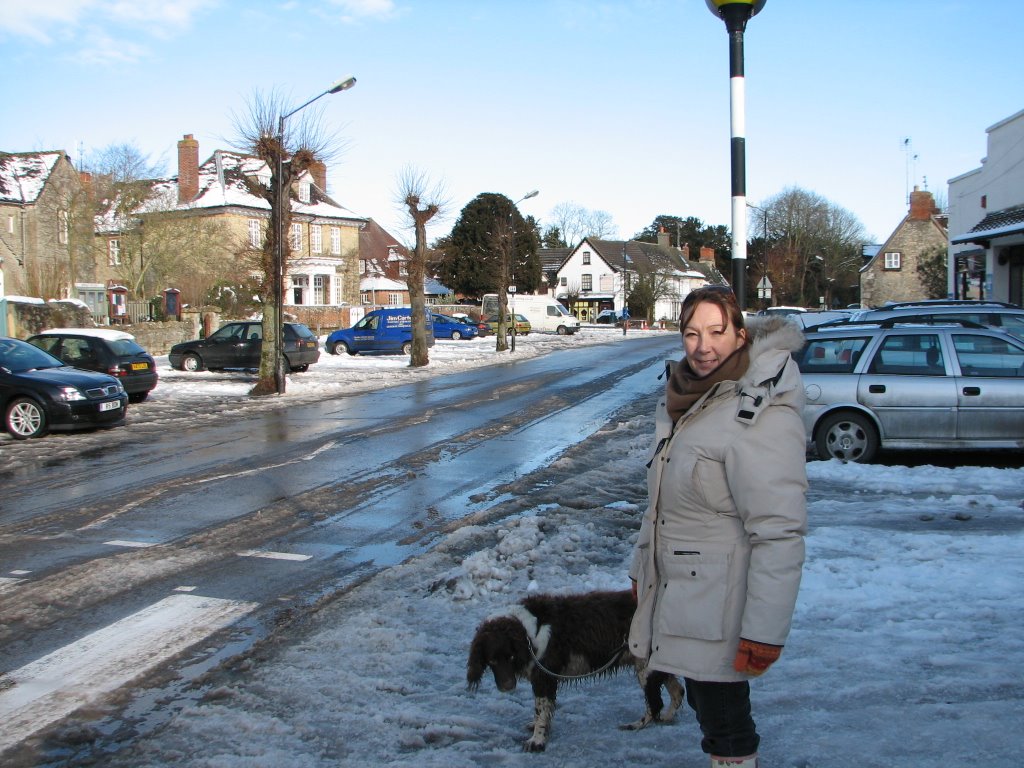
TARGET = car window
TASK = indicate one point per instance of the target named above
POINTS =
(987, 356)
(78, 352)
(19, 357)
(835, 355)
(47, 344)
(1012, 324)
(125, 347)
(227, 332)
(370, 322)
(300, 330)
(912, 354)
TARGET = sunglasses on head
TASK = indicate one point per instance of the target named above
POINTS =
(704, 290)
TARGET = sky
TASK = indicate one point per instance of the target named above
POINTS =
(619, 106)
(905, 651)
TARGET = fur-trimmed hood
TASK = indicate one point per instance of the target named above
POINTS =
(772, 340)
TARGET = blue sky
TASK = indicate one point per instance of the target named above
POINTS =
(616, 105)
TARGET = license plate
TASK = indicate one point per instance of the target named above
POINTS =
(140, 366)
(113, 405)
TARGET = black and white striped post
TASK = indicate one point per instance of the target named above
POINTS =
(735, 13)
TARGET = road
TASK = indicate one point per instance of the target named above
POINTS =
(132, 570)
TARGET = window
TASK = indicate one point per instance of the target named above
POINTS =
(563, 281)
(839, 355)
(607, 283)
(987, 356)
(403, 268)
(296, 237)
(299, 285)
(316, 241)
(62, 227)
(254, 233)
(339, 289)
(892, 259)
(394, 299)
(586, 257)
(304, 192)
(586, 282)
(319, 289)
(336, 241)
(113, 252)
(362, 266)
(909, 355)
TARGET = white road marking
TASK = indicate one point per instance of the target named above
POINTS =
(6, 583)
(20, 572)
(122, 543)
(274, 555)
(44, 691)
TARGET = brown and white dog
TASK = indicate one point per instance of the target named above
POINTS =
(548, 639)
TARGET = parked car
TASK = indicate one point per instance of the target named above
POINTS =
(104, 350)
(812, 318)
(446, 327)
(39, 393)
(871, 387)
(992, 314)
(522, 324)
(239, 345)
(608, 317)
(382, 330)
(483, 328)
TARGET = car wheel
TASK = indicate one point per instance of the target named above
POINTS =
(456, 335)
(562, 330)
(25, 418)
(848, 437)
(137, 397)
(191, 362)
(341, 348)
(407, 348)
(332, 349)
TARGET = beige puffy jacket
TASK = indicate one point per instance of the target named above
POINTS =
(721, 546)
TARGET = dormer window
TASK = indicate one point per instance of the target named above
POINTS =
(304, 191)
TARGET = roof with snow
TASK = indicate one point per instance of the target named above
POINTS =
(23, 174)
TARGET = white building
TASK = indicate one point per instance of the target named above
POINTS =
(986, 220)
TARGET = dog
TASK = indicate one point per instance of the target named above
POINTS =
(549, 639)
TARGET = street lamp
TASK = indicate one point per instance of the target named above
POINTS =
(512, 253)
(736, 13)
(282, 199)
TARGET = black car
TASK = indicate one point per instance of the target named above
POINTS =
(39, 393)
(239, 344)
(104, 350)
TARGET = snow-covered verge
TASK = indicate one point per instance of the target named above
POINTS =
(906, 649)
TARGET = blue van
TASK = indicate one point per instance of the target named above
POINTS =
(382, 330)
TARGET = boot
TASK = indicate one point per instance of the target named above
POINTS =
(750, 761)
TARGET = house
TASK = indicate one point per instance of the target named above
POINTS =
(599, 274)
(986, 220)
(384, 271)
(321, 270)
(45, 241)
(891, 274)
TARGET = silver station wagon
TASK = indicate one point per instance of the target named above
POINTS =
(948, 386)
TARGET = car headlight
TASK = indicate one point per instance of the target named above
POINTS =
(70, 393)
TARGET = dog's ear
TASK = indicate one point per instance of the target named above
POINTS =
(476, 665)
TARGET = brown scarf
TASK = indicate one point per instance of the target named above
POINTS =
(684, 387)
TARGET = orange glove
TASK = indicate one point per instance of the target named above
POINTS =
(754, 658)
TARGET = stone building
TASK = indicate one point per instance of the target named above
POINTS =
(891, 275)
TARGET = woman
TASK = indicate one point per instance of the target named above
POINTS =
(718, 559)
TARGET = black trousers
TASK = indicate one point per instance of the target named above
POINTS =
(723, 711)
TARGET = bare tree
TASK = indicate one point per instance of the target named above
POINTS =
(304, 142)
(422, 202)
(574, 222)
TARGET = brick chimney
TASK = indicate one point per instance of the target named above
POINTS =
(318, 170)
(922, 205)
(707, 255)
(663, 238)
(188, 169)
(685, 250)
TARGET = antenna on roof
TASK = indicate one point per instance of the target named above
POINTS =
(911, 160)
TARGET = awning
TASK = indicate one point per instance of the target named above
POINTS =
(1009, 221)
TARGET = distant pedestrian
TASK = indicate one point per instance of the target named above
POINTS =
(718, 560)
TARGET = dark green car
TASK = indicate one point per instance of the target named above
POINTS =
(239, 345)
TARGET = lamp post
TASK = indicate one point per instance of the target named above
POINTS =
(282, 199)
(511, 259)
(736, 13)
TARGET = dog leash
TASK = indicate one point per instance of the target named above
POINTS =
(615, 657)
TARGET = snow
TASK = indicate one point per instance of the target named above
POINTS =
(906, 650)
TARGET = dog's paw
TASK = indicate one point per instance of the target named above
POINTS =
(534, 745)
(637, 725)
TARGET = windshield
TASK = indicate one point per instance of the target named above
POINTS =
(20, 356)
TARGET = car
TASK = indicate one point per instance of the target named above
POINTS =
(522, 326)
(902, 386)
(39, 393)
(381, 330)
(105, 350)
(812, 318)
(608, 317)
(446, 327)
(1007, 317)
(483, 328)
(239, 345)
